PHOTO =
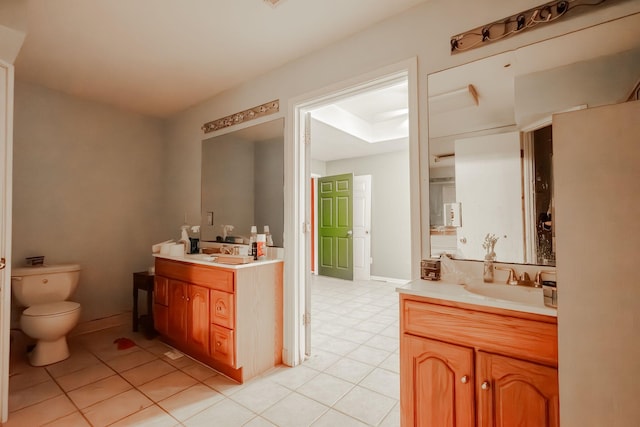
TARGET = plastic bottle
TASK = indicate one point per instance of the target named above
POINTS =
(260, 247)
(253, 239)
(267, 234)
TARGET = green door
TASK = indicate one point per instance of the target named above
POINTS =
(335, 219)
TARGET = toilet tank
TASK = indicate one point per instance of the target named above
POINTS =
(44, 284)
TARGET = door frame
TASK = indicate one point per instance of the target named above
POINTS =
(297, 272)
(6, 160)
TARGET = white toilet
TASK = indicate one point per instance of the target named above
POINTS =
(48, 317)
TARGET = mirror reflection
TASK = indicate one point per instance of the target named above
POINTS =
(491, 138)
(242, 182)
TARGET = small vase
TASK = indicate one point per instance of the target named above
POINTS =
(487, 274)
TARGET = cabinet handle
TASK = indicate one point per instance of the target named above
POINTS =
(464, 379)
(485, 385)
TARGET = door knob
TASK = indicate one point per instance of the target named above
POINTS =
(349, 233)
(3, 263)
(485, 385)
(463, 240)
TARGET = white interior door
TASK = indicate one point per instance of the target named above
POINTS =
(6, 146)
(489, 189)
(362, 227)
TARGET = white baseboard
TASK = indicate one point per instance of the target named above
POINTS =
(390, 280)
(100, 324)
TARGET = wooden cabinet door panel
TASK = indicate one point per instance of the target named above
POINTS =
(516, 392)
(161, 290)
(437, 383)
(161, 318)
(177, 324)
(222, 309)
(198, 322)
(222, 345)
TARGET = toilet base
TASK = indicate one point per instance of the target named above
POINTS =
(48, 352)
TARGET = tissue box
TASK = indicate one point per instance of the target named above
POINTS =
(430, 269)
(176, 249)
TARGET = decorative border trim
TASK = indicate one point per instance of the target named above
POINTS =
(243, 116)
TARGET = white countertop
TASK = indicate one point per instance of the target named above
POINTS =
(458, 293)
(204, 259)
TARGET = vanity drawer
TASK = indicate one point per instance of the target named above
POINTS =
(211, 277)
(222, 309)
(222, 345)
(502, 333)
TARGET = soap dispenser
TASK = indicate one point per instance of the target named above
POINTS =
(267, 233)
(184, 238)
(253, 242)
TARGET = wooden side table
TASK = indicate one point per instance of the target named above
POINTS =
(143, 281)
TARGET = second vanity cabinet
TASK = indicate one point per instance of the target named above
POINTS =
(468, 365)
(228, 318)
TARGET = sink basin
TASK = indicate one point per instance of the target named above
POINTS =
(201, 257)
(518, 294)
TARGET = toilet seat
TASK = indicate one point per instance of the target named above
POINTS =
(59, 308)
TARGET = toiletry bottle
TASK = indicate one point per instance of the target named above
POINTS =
(267, 234)
(253, 239)
(260, 247)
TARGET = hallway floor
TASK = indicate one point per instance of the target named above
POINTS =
(351, 379)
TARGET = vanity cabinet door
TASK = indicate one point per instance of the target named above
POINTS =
(198, 318)
(222, 309)
(177, 324)
(513, 392)
(437, 387)
(161, 290)
(160, 305)
(222, 345)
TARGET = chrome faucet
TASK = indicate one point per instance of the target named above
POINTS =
(513, 278)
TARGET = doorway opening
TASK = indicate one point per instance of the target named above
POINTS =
(331, 113)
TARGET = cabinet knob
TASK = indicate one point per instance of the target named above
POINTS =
(464, 379)
(218, 343)
(485, 385)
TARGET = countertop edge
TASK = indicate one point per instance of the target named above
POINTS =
(218, 264)
(457, 293)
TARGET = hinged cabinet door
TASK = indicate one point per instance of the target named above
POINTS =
(160, 305)
(222, 309)
(222, 345)
(437, 383)
(513, 392)
(198, 318)
(177, 310)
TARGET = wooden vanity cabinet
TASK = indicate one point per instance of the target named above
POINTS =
(230, 319)
(467, 365)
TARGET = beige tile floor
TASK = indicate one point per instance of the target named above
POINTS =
(351, 378)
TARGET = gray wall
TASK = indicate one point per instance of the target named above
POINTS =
(87, 189)
(390, 219)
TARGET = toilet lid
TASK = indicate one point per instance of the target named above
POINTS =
(52, 308)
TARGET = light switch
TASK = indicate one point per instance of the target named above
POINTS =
(209, 218)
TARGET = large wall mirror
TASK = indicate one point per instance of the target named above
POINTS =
(490, 138)
(243, 182)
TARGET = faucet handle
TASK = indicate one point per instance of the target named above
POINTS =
(524, 276)
(512, 279)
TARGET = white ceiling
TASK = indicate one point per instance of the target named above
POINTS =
(158, 57)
